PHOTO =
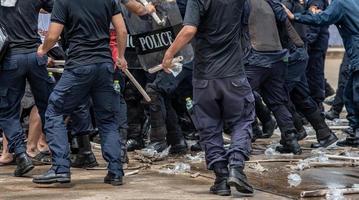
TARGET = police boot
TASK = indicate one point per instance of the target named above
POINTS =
(135, 139)
(331, 114)
(220, 186)
(85, 157)
(123, 137)
(257, 131)
(196, 147)
(24, 164)
(298, 124)
(325, 136)
(289, 142)
(351, 140)
(158, 139)
(238, 179)
(268, 128)
(177, 142)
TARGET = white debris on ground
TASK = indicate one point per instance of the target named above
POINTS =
(294, 180)
(257, 167)
(177, 168)
(199, 157)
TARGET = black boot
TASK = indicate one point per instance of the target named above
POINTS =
(325, 136)
(24, 164)
(135, 139)
(85, 157)
(298, 124)
(220, 186)
(331, 114)
(289, 142)
(351, 140)
(268, 128)
(158, 139)
(113, 179)
(123, 138)
(51, 177)
(196, 147)
(257, 131)
(175, 136)
(238, 179)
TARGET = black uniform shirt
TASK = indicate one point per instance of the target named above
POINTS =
(87, 27)
(21, 23)
(217, 43)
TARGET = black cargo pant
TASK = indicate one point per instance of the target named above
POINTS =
(270, 83)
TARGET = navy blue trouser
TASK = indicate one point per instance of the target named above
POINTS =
(270, 83)
(344, 74)
(75, 87)
(315, 75)
(299, 90)
(16, 68)
(351, 99)
(224, 101)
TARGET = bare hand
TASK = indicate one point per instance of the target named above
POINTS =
(289, 13)
(167, 62)
(150, 8)
(40, 51)
(50, 62)
(121, 63)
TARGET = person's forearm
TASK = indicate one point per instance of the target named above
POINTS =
(49, 43)
(121, 42)
(183, 38)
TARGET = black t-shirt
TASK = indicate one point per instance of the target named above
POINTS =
(21, 23)
(86, 29)
(217, 44)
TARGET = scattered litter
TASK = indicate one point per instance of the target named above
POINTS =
(294, 180)
(334, 194)
(195, 175)
(257, 167)
(132, 173)
(154, 155)
(309, 130)
(271, 150)
(199, 157)
(177, 168)
(337, 122)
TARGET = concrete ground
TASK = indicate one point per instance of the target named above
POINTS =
(151, 183)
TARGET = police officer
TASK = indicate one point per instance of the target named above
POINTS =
(89, 72)
(265, 66)
(346, 16)
(298, 87)
(19, 64)
(221, 92)
(318, 39)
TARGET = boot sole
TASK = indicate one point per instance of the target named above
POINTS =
(25, 171)
(52, 181)
(114, 183)
(240, 186)
(331, 142)
(222, 192)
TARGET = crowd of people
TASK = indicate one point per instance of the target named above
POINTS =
(256, 66)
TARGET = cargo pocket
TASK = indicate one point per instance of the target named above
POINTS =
(9, 64)
(41, 61)
(241, 85)
(4, 103)
(200, 84)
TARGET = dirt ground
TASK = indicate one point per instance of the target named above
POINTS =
(152, 181)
